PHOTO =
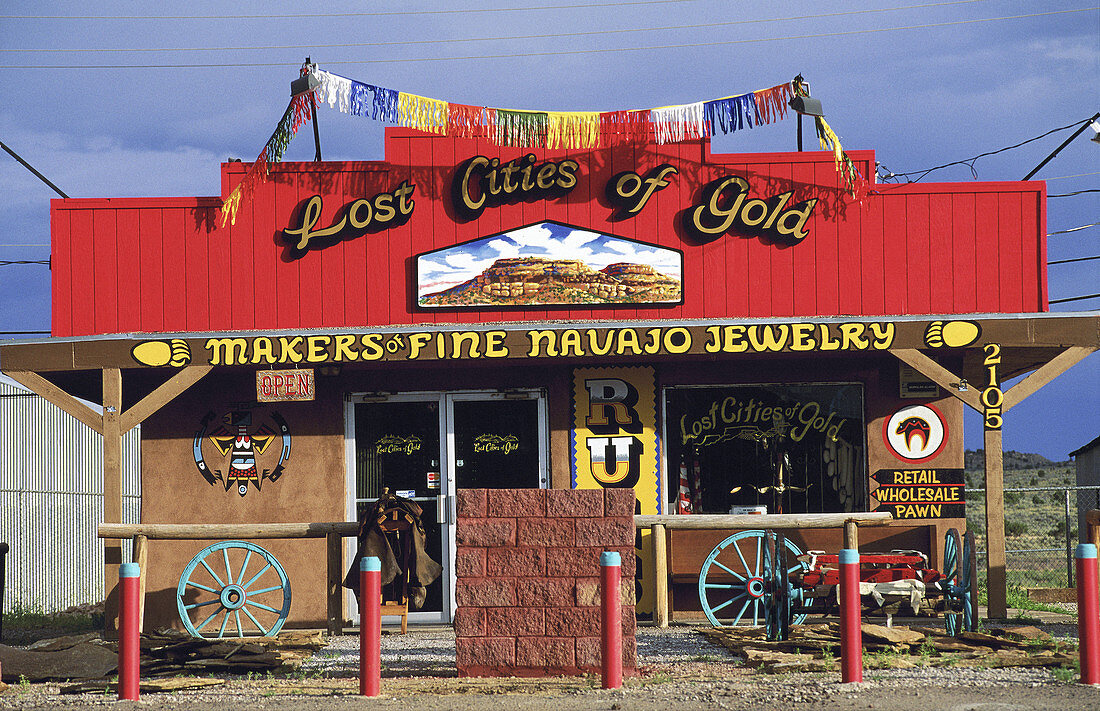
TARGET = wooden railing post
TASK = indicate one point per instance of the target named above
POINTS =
(662, 609)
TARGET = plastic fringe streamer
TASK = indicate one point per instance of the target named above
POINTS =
(679, 123)
(624, 126)
(356, 98)
(422, 113)
(854, 183)
(523, 129)
(731, 113)
(573, 129)
(772, 104)
(467, 121)
(297, 113)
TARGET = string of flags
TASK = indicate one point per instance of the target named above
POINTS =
(575, 130)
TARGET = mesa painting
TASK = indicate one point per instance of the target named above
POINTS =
(548, 264)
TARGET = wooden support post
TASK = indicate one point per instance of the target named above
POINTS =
(334, 591)
(996, 578)
(140, 555)
(851, 535)
(662, 609)
(112, 491)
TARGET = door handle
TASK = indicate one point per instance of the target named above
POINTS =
(446, 509)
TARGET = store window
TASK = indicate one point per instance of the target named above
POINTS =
(766, 448)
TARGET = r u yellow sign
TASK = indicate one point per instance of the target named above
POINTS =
(615, 446)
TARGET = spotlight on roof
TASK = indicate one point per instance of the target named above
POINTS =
(807, 105)
(304, 84)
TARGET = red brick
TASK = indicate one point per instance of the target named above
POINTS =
(589, 657)
(470, 622)
(605, 532)
(470, 503)
(517, 502)
(545, 532)
(515, 621)
(572, 561)
(630, 622)
(575, 621)
(574, 503)
(516, 562)
(485, 652)
(588, 592)
(470, 562)
(486, 532)
(619, 502)
(545, 592)
(552, 652)
(485, 592)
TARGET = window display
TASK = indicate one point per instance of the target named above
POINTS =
(765, 448)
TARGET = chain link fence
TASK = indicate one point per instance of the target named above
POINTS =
(1043, 525)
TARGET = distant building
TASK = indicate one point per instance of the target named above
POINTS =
(1088, 474)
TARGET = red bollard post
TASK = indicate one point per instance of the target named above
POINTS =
(1088, 613)
(611, 626)
(129, 644)
(370, 625)
(851, 634)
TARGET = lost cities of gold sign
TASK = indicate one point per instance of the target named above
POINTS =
(481, 182)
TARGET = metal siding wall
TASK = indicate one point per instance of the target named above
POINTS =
(51, 500)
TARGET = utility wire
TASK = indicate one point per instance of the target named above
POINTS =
(556, 52)
(407, 13)
(969, 162)
(1072, 229)
(30, 167)
(1076, 192)
(22, 333)
(10, 262)
(1078, 259)
(1073, 298)
(494, 39)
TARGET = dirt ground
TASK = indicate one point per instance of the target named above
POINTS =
(680, 671)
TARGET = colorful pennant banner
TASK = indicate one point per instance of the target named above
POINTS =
(577, 130)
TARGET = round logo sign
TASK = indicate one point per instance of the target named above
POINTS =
(915, 433)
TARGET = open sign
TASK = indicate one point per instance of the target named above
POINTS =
(285, 385)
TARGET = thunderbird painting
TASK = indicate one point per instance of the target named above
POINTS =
(548, 264)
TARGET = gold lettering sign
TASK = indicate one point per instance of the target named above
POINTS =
(482, 182)
(724, 207)
(384, 210)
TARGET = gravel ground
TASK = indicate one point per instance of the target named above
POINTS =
(681, 671)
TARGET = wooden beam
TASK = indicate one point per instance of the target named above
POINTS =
(334, 591)
(750, 521)
(140, 554)
(851, 535)
(996, 578)
(112, 490)
(660, 567)
(55, 395)
(1044, 374)
(164, 394)
(214, 531)
(939, 375)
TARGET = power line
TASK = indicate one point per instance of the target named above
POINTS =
(1072, 229)
(1076, 192)
(23, 333)
(1073, 298)
(10, 262)
(494, 39)
(408, 13)
(1078, 259)
(969, 162)
(554, 53)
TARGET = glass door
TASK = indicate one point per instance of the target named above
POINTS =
(425, 446)
(397, 447)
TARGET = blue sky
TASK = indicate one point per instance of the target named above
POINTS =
(923, 84)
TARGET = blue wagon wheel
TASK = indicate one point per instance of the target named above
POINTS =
(740, 578)
(961, 587)
(215, 589)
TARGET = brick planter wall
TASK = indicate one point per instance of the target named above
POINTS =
(528, 568)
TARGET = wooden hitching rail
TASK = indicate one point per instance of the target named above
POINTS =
(659, 523)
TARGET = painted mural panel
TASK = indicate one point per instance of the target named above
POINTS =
(549, 264)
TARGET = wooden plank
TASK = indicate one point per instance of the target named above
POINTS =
(151, 224)
(164, 394)
(851, 535)
(1046, 373)
(766, 521)
(112, 490)
(660, 558)
(939, 375)
(129, 271)
(55, 395)
(140, 554)
(333, 588)
(997, 582)
(212, 531)
(61, 277)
